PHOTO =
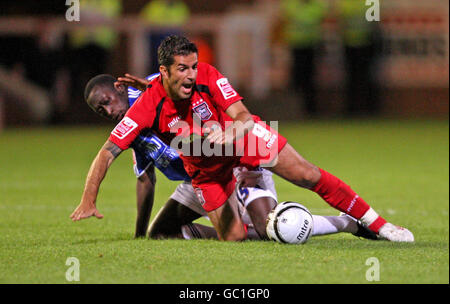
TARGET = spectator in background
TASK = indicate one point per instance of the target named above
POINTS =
(171, 14)
(302, 30)
(91, 48)
(361, 40)
(39, 65)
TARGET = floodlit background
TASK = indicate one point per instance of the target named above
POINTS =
(322, 60)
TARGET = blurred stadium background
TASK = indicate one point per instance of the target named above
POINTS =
(398, 69)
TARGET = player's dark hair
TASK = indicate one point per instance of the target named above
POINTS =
(174, 45)
(99, 80)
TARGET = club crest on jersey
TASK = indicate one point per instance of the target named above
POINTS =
(124, 128)
(200, 197)
(203, 111)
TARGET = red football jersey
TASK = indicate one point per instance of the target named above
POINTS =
(211, 96)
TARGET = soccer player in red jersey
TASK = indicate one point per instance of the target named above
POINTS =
(193, 102)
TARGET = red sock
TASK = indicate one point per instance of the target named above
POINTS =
(340, 196)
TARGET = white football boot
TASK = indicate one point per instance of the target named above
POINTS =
(395, 233)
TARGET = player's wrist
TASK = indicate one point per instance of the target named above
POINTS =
(88, 201)
(242, 128)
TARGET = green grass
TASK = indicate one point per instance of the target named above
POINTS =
(400, 167)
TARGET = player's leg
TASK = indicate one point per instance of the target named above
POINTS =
(219, 200)
(169, 220)
(294, 168)
(259, 203)
(291, 166)
(198, 231)
(258, 211)
(227, 222)
(325, 225)
(175, 219)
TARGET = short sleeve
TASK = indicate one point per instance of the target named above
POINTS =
(224, 95)
(140, 116)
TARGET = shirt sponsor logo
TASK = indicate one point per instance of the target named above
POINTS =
(226, 88)
(352, 203)
(153, 146)
(155, 143)
(261, 132)
(174, 121)
(124, 128)
(264, 134)
(271, 141)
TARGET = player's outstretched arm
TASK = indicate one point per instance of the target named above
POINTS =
(95, 176)
(145, 191)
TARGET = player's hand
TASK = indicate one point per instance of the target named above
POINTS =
(245, 178)
(218, 136)
(84, 211)
(133, 81)
(215, 134)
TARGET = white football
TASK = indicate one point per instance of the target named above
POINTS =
(289, 222)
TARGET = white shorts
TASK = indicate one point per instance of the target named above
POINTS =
(265, 188)
(185, 194)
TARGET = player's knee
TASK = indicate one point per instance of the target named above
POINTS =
(235, 236)
(232, 238)
(159, 232)
(162, 235)
(310, 177)
(154, 233)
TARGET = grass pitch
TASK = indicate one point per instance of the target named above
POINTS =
(400, 167)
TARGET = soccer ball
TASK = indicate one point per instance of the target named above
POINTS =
(289, 222)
